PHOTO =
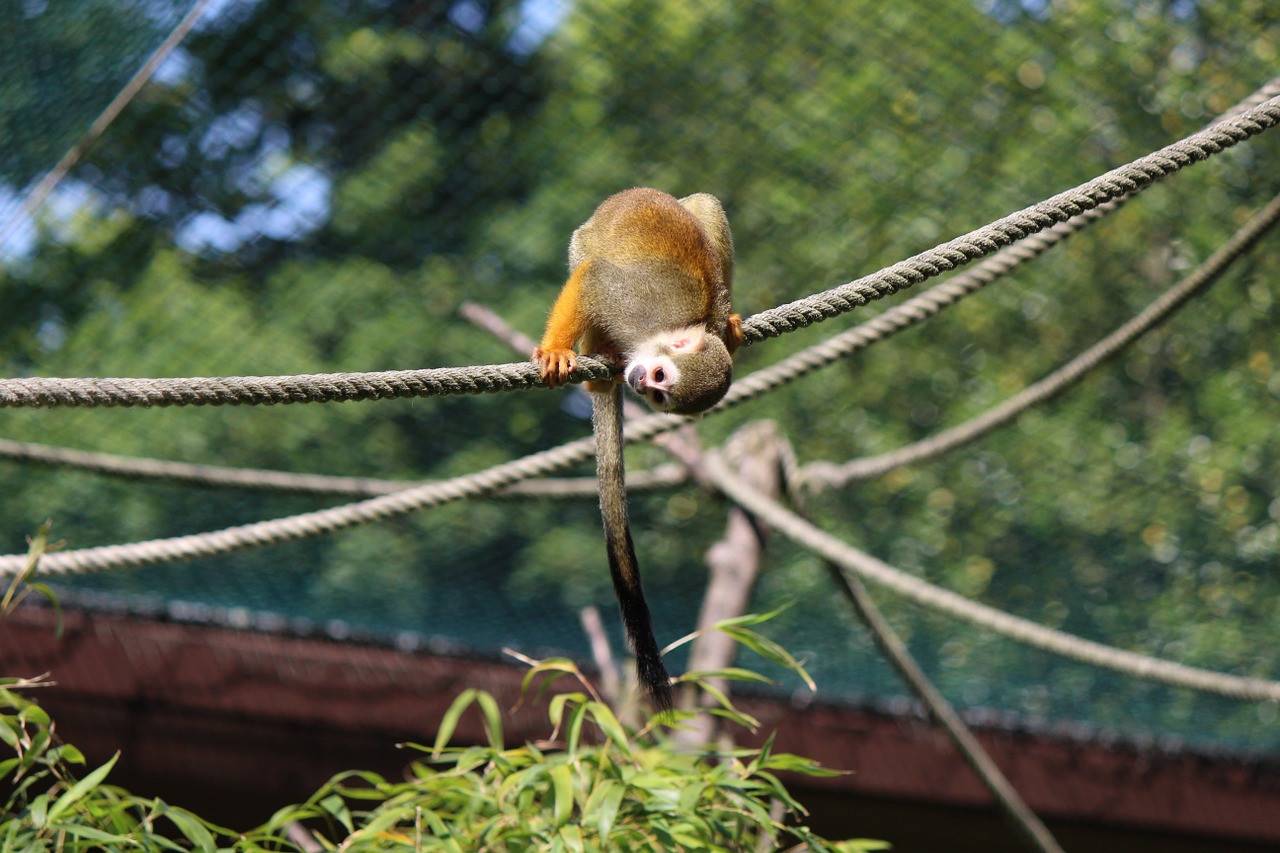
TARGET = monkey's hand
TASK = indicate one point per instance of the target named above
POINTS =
(555, 364)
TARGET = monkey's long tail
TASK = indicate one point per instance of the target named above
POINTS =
(606, 412)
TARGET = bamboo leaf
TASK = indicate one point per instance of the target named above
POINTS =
(562, 794)
(79, 789)
(449, 722)
(770, 650)
(192, 828)
(492, 718)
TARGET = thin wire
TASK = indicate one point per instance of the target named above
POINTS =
(41, 191)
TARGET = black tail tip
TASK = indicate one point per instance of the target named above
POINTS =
(661, 698)
(653, 675)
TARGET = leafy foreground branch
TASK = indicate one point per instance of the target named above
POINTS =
(594, 785)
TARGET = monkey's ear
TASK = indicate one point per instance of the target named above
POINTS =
(691, 339)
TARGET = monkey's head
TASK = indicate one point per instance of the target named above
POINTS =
(685, 373)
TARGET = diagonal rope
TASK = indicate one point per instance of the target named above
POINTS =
(415, 498)
(1127, 180)
(944, 715)
(1122, 182)
(862, 565)
(911, 312)
(827, 475)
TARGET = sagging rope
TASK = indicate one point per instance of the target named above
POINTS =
(1125, 181)
(226, 477)
(321, 522)
(867, 567)
(486, 481)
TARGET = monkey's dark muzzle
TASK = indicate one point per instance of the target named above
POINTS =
(636, 379)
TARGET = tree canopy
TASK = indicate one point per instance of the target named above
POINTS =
(317, 186)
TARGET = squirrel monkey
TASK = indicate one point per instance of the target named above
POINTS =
(649, 287)
(649, 290)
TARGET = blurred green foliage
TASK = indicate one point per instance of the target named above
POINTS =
(317, 186)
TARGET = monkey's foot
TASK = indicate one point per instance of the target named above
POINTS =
(733, 334)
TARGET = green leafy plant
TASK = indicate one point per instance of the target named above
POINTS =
(49, 808)
(595, 784)
(23, 583)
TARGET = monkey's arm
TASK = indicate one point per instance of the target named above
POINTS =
(606, 414)
(566, 325)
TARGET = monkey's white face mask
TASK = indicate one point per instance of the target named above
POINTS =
(653, 370)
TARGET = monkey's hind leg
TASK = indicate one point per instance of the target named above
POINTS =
(611, 477)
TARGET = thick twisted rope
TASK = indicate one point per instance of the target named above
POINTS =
(1122, 182)
(273, 390)
(913, 311)
(826, 475)
(896, 319)
(413, 498)
(867, 567)
(903, 316)
(303, 525)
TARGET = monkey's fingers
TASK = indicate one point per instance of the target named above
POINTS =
(555, 365)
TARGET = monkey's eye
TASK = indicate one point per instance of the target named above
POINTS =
(659, 375)
(659, 399)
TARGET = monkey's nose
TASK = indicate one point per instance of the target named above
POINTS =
(636, 377)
